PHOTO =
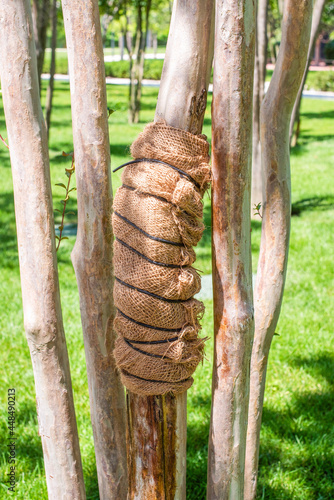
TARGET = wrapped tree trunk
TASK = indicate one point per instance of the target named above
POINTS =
(92, 254)
(295, 117)
(157, 425)
(275, 121)
(259, 80)
(37, 252)
(231, 246)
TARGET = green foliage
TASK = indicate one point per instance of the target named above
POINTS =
(296, 455)
(320, 80)
(329, 50)
(117, 69)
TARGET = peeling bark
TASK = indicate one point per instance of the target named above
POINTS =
(258, 94)
(37, 252)
(275, 121)
(231, 246)
(93, 252)
(157, 425)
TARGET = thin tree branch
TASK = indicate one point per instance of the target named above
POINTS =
(37, 252)
(275, 121)
(231, 245)
(93, 251)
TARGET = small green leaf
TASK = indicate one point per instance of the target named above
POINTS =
(63, 202)
(73, 189)
(61, 228)
(57, 210)
(61, 185)
(64, 237)
(57, 237)
(278, 335)
(70, 213)
(110, 111)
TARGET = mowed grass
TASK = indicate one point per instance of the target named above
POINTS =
(297, 439)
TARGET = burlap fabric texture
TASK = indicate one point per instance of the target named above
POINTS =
(157, 220)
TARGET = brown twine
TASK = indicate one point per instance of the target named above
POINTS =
(157, 220)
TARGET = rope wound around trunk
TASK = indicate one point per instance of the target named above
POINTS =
(157, 219)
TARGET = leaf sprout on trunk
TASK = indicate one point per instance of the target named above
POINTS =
(69, 172)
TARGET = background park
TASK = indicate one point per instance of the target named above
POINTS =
(297, 436)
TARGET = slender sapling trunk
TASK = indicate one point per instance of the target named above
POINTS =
(275, 121)
(258, 94)
(231, 245)
(93, 251)
(37, 253)
(49, 93)
(295, 117)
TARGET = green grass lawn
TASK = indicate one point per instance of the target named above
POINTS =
(297, 440)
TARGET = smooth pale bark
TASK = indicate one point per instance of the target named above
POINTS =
(37, 252)
(93, 250)
(295, 117)
(258, 94)
(231, 245)
(49, 93)
(275, 121)
(157, 425)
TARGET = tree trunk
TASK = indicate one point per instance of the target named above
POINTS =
(231, 245)
(259, 80)
(295, 118)
(37, 252)
(49, 94)
(137, 65)
(134, 64)
(157, 431)
(142, 62)
(40, 10)
(93, 251)
(275, 120)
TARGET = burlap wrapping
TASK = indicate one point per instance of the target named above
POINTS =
(157, 220)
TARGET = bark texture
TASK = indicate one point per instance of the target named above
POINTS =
(231, 246)
(258, 94)
(92, 254)
(295, 117)
(157, 425)
(37, 252)
(275, 120)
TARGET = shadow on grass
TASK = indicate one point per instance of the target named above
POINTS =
(29, 448)
(318, 115)
(314, 203)
(299, 438)
(197, 448)
(8, 239)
